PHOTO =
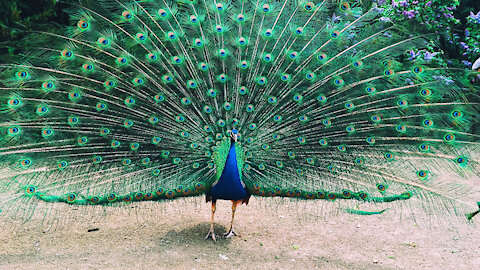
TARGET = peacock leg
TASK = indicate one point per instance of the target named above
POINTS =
(231, 233)
(211, 233)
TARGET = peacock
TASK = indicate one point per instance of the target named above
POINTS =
(152, 100)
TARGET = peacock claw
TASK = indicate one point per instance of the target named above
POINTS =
(230, 234)
(211, 234)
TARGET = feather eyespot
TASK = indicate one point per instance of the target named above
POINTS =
(293, 55)
(193, 19)
(71, 197)
(73, 120)
(266, 8)
(363, 195)
(138, 81)
(198, 42)
(103, 41)
(346, 194)
(240, 18)
(242, 41)
(375, 118)
(332, 196)
(42, 110)
(339, 82)
(25, 163)
(13, 131)
(14, 102)
(402, 103)
(62, 165)
(167, 78)
(97, 159)
(389, 72)
(109, 83)
(171, 35)
(310, 76)
(160, 191)
(349, 106)
(335, 34)
(424, 147)
(203, 66)
(418, 70)
(344, 6)
(321, 57)
(141, 36)
(21, 74)
(422, 174)
(262, 80)
(308, 6)
(127, 15)
(47, 132)
(359, 161)
(30, 190)
(299, 31)
(170, 194)
(370, 90)
(357, 64)
(112, 197)
(47, 86)
(162, 13)
(87, 67)
(115, 144)
(66, 54)
(138, 196)
(381, 187)
(82, 141)
(199, 186)
(427, 123)
(145, 161)
(122, 60)
(222, 78)
(457, 114)
(449, 137)
(401, 129)
(82, 24)
(128, 123)
(94, 200)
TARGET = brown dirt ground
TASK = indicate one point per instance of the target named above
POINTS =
(273, 236)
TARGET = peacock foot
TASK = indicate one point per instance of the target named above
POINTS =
(230, 234)
(211, 234)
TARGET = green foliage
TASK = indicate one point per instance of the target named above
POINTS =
(19, 17)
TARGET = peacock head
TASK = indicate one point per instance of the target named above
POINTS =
(234, 135)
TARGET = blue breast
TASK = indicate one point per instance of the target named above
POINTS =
(229, 186)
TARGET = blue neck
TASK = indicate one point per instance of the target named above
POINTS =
(229, 186)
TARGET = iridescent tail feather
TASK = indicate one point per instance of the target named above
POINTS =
(136, 100)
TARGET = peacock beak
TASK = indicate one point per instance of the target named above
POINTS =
(234, 137)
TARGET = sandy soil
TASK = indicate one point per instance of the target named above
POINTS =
(273, 236)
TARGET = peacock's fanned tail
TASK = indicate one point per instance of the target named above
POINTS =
(133, 103)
